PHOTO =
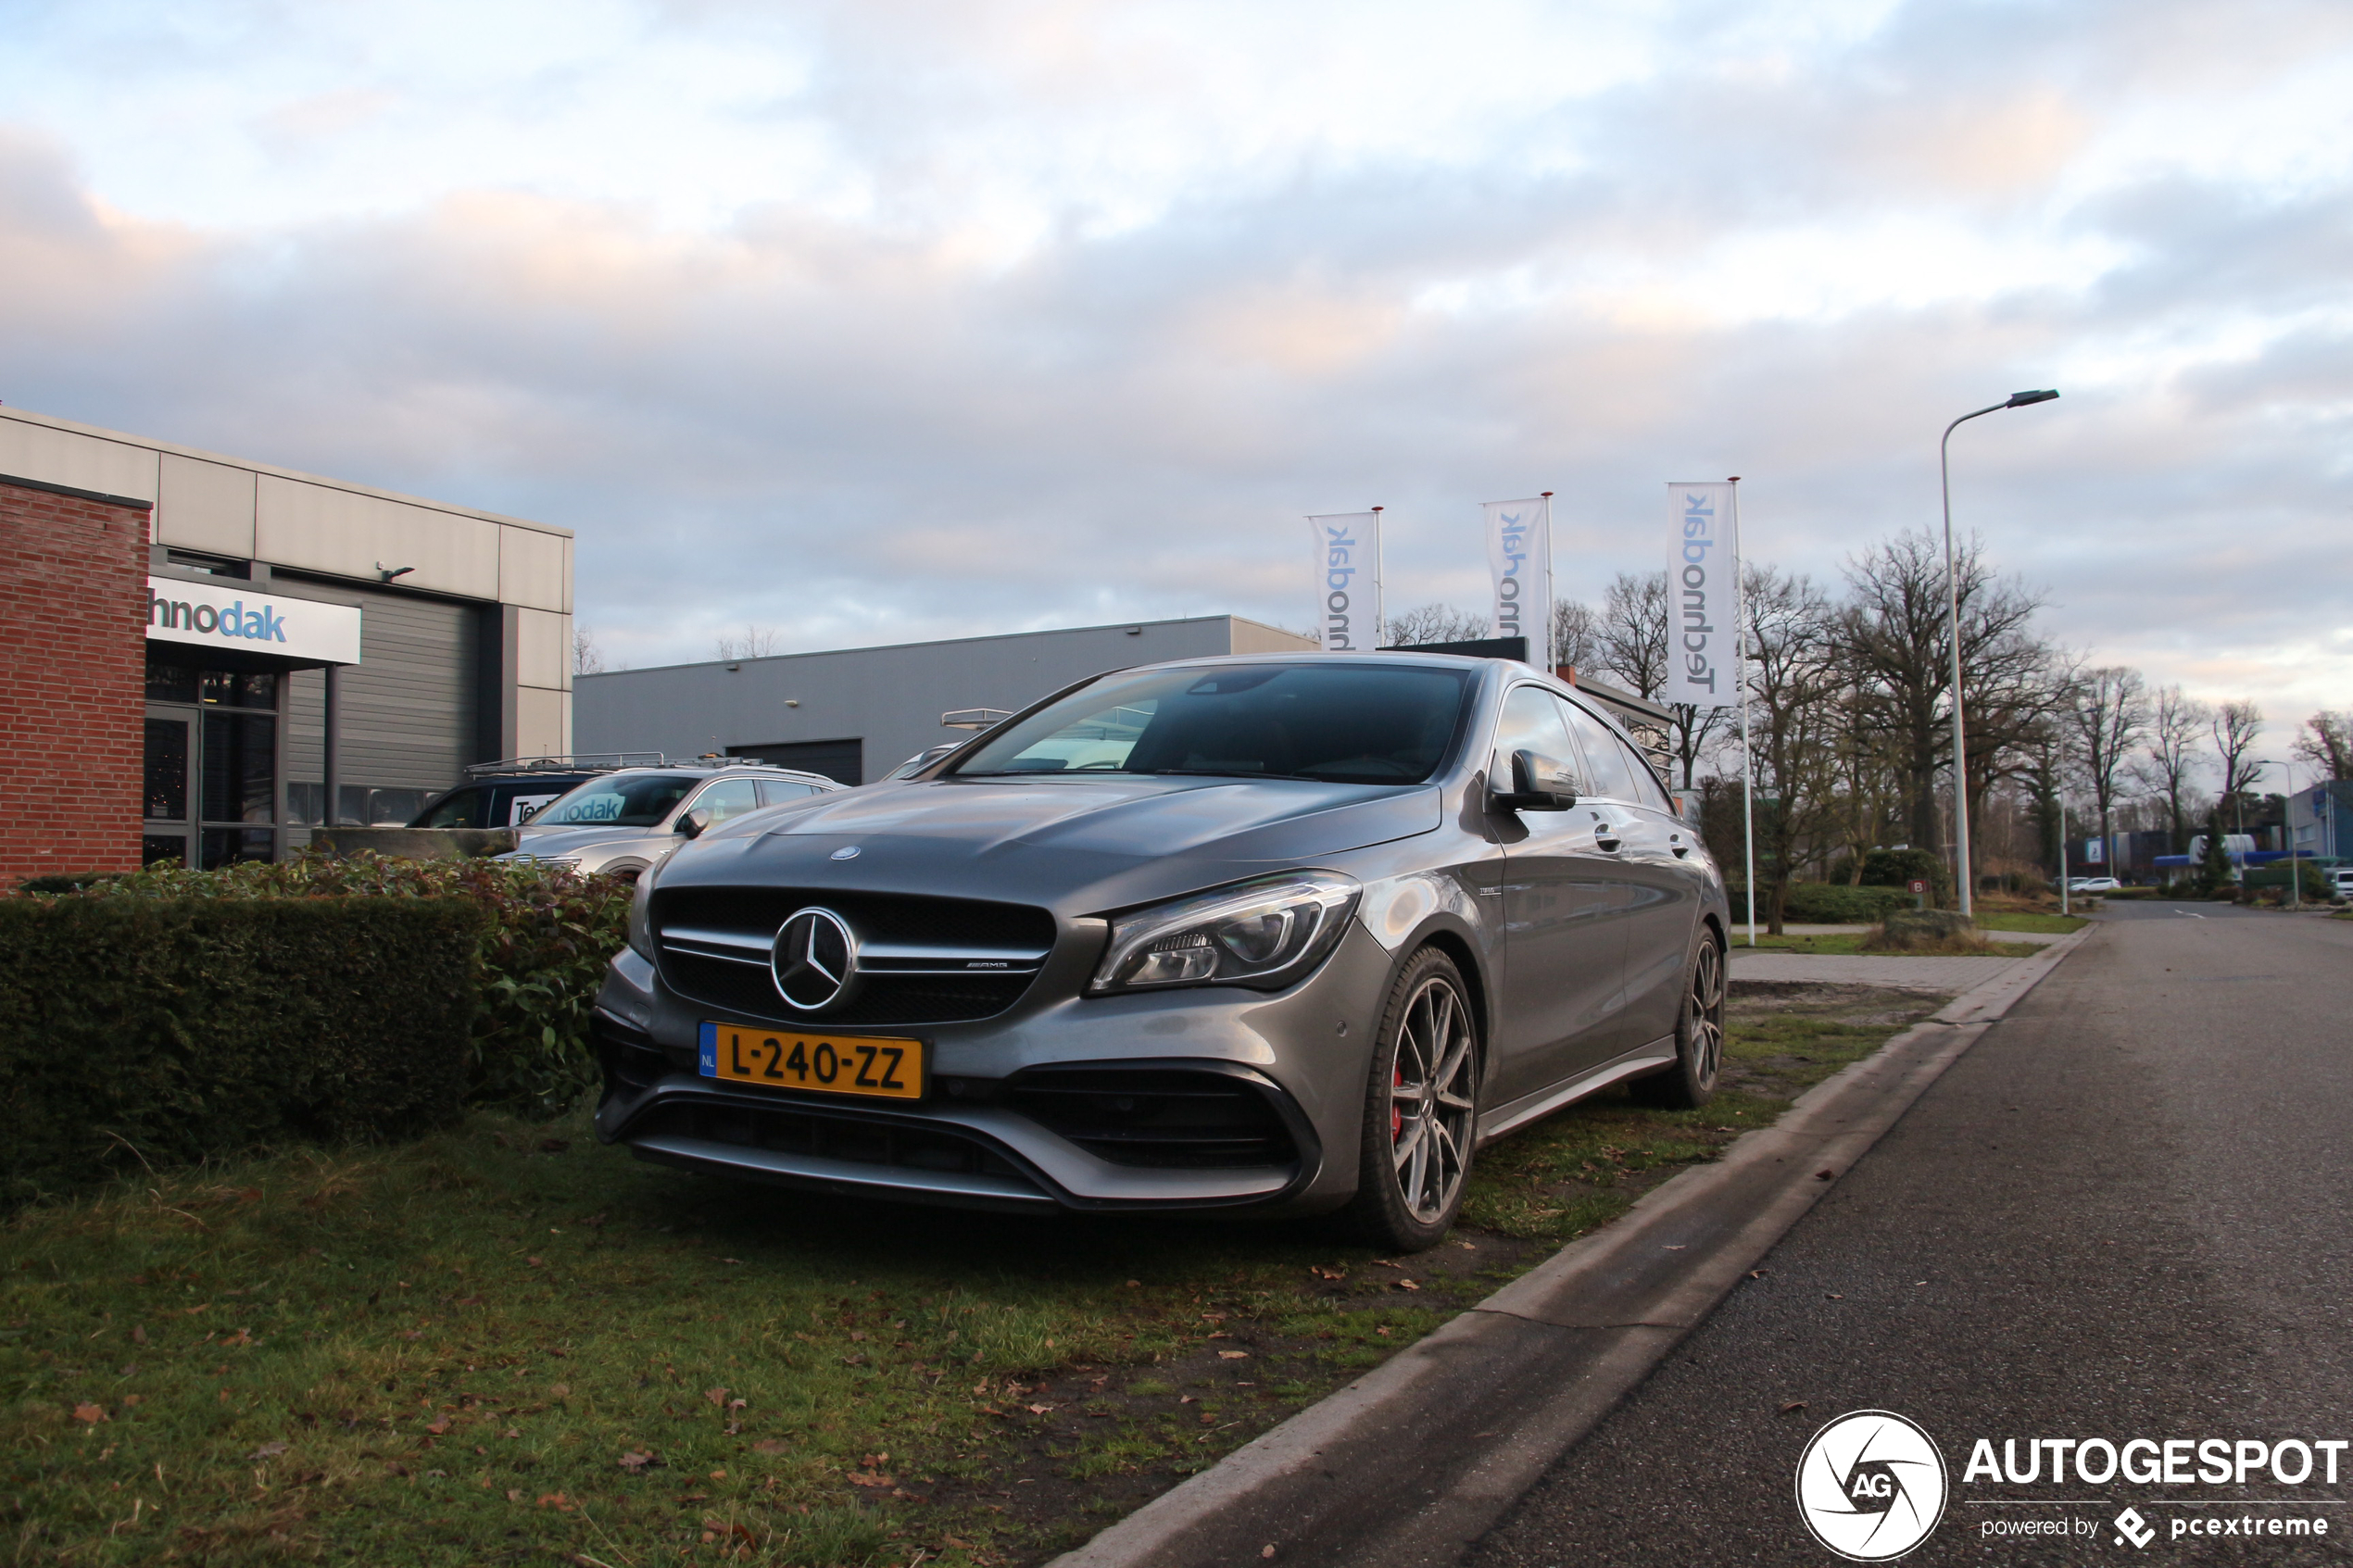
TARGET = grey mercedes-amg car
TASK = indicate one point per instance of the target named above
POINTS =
(1275, 934)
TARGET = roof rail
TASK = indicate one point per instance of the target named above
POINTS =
(587, 763)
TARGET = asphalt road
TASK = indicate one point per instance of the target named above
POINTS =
(2124, 1213)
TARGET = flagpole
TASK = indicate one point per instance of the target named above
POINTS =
(1381, 601)
(1548, 663)
(1748, 761)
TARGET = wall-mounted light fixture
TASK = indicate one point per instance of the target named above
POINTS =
(386, 573)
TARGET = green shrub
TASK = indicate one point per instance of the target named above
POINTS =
(1827, 903)
(1895, 868)
(546, 935)
(156, 1030)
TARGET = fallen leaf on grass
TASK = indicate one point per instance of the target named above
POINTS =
(862, 1478)
(554, 1501)
(267, 1450)
(242, 1337)
(90, 1414)
(437, 1425)
(138, 1337)
(770, 1445)
(1233, 1355)
(1408, 1285)
(716, 1396)
(1322, 1272)
(537, 1262)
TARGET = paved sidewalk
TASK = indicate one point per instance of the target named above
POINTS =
(1943, 975)
(2037, 938)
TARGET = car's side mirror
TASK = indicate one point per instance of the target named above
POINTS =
(1539, 784)
(694, 821)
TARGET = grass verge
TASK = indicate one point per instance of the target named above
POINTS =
(1849, 943)
(507, 1344)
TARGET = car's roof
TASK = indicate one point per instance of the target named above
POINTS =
(712, 771)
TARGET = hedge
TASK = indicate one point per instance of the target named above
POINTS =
(547, 933)
(167, 1030)
(1827, 903)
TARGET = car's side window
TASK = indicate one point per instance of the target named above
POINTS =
(729, 797)
(1531, 722)
(1647, 788)
(775, 792)
(466, 809)
(1610, 771)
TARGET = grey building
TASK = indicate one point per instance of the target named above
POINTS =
(312, 641)
(856, 713)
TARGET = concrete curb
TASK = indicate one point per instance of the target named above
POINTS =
(1417, 1459)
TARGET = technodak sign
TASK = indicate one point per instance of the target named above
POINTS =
(232, 617)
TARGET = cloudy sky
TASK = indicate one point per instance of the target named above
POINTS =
(898, 319)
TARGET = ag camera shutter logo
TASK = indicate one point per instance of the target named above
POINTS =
(1870, 1485)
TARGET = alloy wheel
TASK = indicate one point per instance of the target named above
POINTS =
(1431, 1104)
(1707, 1014)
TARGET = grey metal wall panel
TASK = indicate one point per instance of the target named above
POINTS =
(888, 698)
(408, 705)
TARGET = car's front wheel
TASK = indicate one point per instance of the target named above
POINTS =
(1421, 1109)
(1699, 1035)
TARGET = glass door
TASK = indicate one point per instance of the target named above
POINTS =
(165, 835)
(212, 765)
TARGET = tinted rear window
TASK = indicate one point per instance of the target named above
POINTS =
(1336, 719)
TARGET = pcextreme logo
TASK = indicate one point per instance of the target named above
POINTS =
(1870, 1485)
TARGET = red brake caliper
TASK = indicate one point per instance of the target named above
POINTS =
(1396, 1117)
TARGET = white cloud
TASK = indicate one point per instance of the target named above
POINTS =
(883, 319)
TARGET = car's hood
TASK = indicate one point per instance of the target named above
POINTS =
(549, 843)
(1077, 846)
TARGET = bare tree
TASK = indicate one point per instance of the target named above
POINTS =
(2106, 718)
(1630, 651)
(1435, 623)
(2175, 724)
(1795, 675)
(587, 659)
(1898, 650)
(1630, 636)
(2236, 727)
(756, 642)
(2326, 742)
(1576, 634)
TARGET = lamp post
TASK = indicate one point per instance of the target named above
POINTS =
(2288, 831)
(1953, 613)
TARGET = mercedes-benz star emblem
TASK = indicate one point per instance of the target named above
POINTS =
(846, 852)
(815, 960)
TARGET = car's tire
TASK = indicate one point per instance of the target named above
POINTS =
(1421, 1109)
(628, 871)
(1699, 1035)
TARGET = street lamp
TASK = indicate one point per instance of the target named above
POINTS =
(1953, 612)
(2288, 831)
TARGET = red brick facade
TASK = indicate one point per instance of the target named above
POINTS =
(73, 603)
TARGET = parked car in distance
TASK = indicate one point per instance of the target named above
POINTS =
(495, 803)
(1265, 935)
(626, 819)
(2093, 884)
(2340, 880)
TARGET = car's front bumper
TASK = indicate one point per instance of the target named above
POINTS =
(978, 1138)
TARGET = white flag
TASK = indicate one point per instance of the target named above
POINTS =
(1519, 557)
(1702, 596)
(1346, 547)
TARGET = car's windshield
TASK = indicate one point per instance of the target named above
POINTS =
(1333, 719)
(625, 800)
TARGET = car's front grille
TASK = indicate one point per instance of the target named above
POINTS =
(921, 959)
(794, 1129)
(1165, 1117)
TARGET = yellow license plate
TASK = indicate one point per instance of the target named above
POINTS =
(830, 1065)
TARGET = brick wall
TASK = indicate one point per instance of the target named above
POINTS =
(73, 661)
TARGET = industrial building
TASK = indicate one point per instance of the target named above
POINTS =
(208, 655)
(856, 713)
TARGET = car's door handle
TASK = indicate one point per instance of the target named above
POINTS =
(1606, 839)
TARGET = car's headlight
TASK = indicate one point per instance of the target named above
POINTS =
(641, 929)
(1267, 933)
